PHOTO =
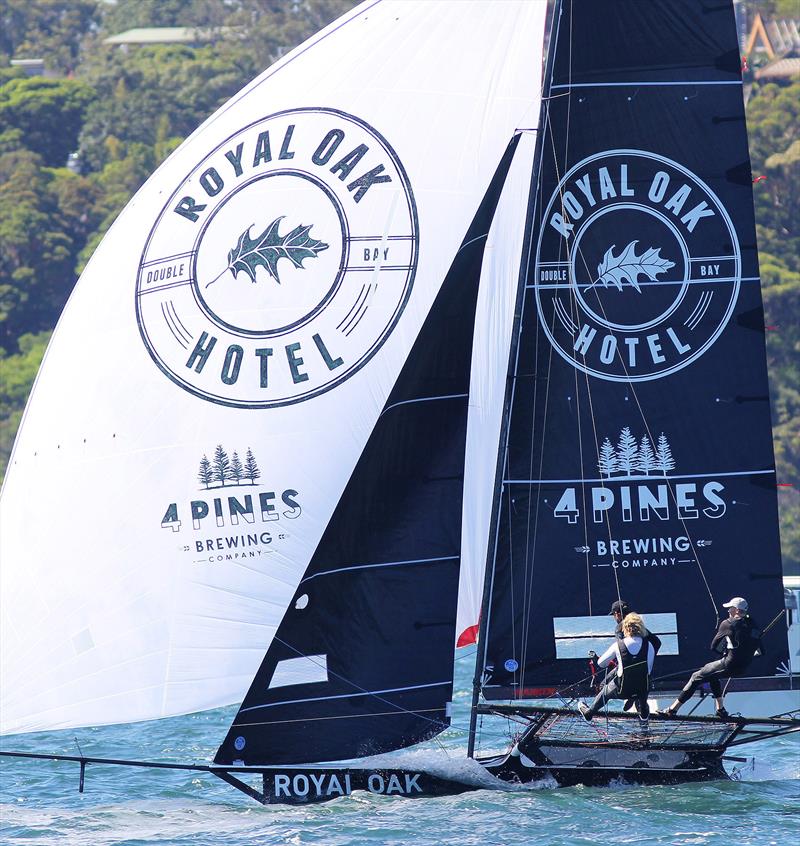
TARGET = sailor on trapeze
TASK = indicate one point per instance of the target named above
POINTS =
(634, 655)
(738, 639)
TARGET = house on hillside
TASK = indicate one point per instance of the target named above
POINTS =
(139, 37)
(773, 48)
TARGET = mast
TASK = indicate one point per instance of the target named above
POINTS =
(491, 549)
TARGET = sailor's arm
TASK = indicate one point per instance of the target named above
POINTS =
(611, 653)
(655, 640)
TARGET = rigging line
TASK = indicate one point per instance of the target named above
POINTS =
(545, 121)
(593, 418)
(505, 437)
(587, 553)
(512, 592)
(531, 543)
(574, 305)
(529, 580)
(528, 596)
(422, 399)
(574, 308)
(375, 694)
(777, 617)
(503, 458)
(667, 481)
(649, 433)
(530, 555)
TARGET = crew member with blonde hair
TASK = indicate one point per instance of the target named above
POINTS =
(634, 656)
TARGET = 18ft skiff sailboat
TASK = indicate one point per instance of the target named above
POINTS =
(255, 488)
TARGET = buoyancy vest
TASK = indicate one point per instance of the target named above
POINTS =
(635, 676)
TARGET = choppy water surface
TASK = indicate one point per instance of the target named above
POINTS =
(40, 803)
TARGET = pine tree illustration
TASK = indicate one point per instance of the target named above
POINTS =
(236, 471)
(608, 459)
(627, 452)
(647, 459)
(251, 470)
(204, 476)
(664, 459)
(220, 467)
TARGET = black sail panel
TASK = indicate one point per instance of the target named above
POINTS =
(639, 462)
(362, 661)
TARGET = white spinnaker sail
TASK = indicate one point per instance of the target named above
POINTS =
(258, 295)
(493, 324)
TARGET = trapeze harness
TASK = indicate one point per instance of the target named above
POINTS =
(739, 639)
(632, 677)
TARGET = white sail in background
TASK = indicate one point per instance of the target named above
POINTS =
(227, 351)
(493, 323)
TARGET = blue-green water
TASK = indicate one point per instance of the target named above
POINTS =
(40, 803)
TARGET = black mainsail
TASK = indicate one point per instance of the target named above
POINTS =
(639, 461)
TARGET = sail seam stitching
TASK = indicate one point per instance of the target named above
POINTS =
(386, 564)
(638, 478)
(423, 399)
(673, 84)
(347, 696)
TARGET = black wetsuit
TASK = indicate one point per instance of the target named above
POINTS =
(634, 683)
(739, 640)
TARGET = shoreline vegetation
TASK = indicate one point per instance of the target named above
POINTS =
(120, 110)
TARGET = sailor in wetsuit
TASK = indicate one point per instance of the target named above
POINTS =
(618, 610)
(739, 640)
(634, 655)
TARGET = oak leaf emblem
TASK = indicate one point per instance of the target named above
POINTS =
(268, 248)
(627, 266)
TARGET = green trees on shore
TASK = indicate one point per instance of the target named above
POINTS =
(114, 114)
(774, 133)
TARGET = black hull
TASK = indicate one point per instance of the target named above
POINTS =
(312, 785)
(298, 787)
(510, 769)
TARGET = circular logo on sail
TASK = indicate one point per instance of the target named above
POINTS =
(637, 267)
(281, 263)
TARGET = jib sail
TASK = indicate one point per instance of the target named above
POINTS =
(362, 661)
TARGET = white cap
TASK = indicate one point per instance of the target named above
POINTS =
(736, 602)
